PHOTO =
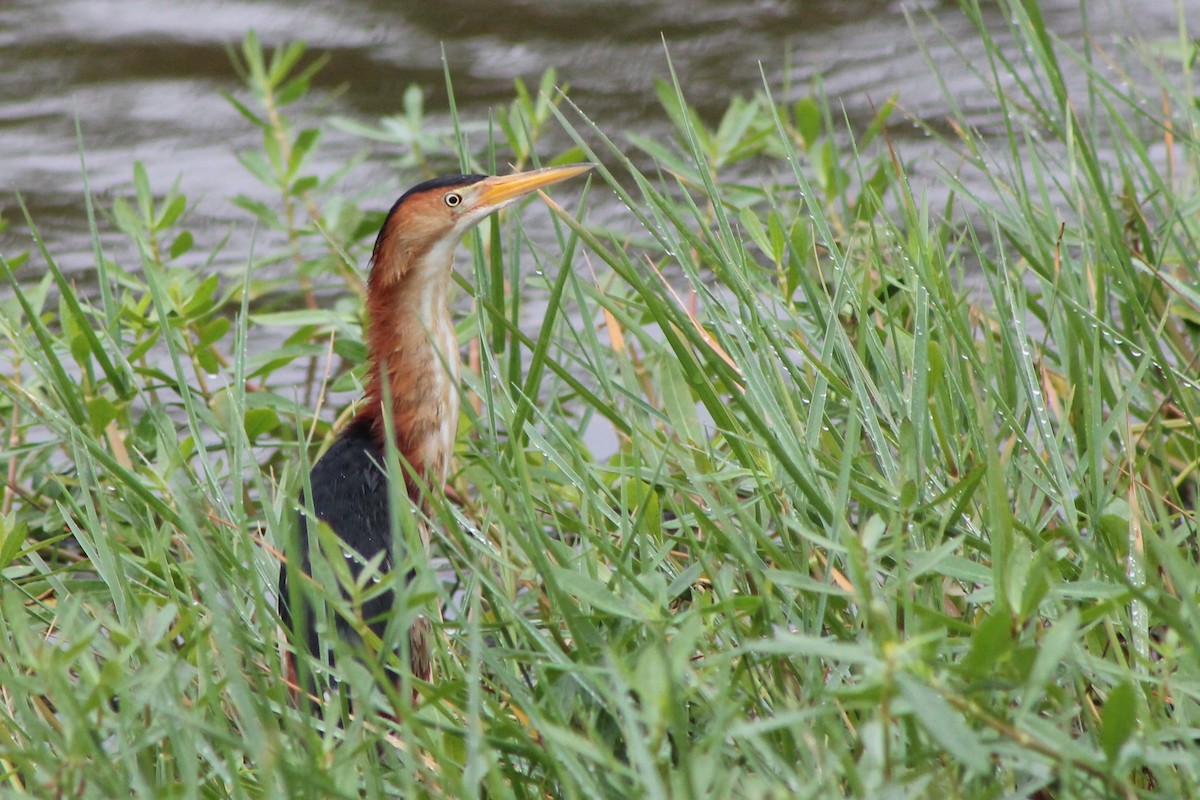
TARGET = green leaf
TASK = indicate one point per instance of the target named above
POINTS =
(595, 594)
(572, 155)
(283, 59)
(683, 116)
(937, 366)
(546, 86)
(806, 115)
(12, 539)
(208, 361)
(266, 215)
(1118, 718)
(302, 147)
(294, 319)
(101, 411)
(213, 330)
(870, 199)
(171, 212)
(669, 159)
(989, 644)
(293, 90)
(778, 236)
(143, 346)
(259, 421)
(1050, 656)
(305, 184)
(1038, 580)
(259, 167)
(945, 725)
(414, 103)
(253, 53)
(126, 218)
(182, 244)
(755, 230)
(80, 349)
(245, 111)
(670, 101)
(878, 122)
(731, 136)
(145, 198)
(203, 297)
(679, 403)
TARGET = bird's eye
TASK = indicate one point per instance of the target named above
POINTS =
(453, 199)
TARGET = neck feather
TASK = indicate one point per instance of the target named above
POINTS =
(414, 354)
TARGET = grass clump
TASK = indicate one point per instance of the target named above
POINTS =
(867, 528)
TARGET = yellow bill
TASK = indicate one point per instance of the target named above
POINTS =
(498, 190)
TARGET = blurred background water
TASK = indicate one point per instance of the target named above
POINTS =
(144, 78)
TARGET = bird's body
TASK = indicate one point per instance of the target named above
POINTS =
(350, 493)
(413, 378)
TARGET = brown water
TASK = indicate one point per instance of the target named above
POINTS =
(144, 77)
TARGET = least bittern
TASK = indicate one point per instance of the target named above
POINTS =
(414, 353)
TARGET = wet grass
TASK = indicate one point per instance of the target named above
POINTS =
(899, 501)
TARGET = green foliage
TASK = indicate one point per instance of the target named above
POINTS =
(867, 527)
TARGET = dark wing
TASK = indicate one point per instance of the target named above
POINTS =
(350, 493)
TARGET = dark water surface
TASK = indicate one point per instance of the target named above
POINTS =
(144, 77)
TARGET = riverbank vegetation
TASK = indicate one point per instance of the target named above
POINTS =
(806, 479)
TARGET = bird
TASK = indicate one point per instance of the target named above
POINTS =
(412, 377)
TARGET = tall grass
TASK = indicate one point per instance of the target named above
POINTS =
(865, 530)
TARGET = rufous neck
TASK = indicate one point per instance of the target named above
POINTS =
(414, 368)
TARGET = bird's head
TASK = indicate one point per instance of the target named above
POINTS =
(427, 222)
